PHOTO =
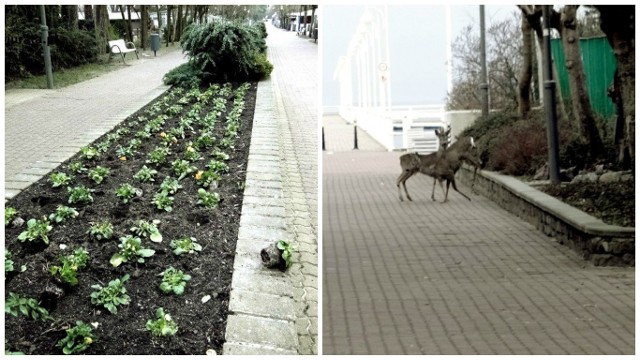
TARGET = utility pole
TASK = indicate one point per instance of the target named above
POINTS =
(45, 48)
(550, 99)
(484, 87)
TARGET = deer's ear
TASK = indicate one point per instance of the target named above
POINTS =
(437, 132)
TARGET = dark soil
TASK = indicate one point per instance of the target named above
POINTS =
(613, 203)
(201, 326)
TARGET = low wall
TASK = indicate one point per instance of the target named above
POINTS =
(602, 244)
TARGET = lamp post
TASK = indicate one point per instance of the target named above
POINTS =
(484, 87)
(45, 47)
(550, 98)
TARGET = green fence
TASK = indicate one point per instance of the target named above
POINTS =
(599, 66)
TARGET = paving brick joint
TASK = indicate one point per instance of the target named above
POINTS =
(462, 277)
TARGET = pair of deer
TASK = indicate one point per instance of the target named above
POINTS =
(441, 165)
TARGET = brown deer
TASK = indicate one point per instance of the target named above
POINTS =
(441, 165)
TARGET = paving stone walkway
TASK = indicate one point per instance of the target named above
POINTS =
(273, 312)
(457, 278)
(43, 128)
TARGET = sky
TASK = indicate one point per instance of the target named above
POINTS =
(417, 37)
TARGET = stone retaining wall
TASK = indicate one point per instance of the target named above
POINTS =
(602, 244)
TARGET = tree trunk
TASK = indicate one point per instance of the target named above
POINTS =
(168, 27)
(177, 24)
(623, 157)
(70, 16)
(124, 22)
(159, 15)
(143, 26)
(129, 27)
(578, 82)
(304, 19)
(102, 28)
(524, 85)
(88, 13)
(618, 23)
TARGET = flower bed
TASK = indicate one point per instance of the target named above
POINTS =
(145, 218)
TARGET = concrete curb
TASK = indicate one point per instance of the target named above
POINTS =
(261, 305)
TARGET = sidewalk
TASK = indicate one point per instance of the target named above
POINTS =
(463, 277)
(339, 136)
(43, 128)
(273, 312)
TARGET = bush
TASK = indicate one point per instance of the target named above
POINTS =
(222, 51)
(23, 52)
(184, 75)
(520, 148)
(72, 48)
(261, 32)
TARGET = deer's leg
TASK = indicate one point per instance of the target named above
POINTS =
(440, 180)
(433, 189)
(453, 182)
(402, 179)
(398, 182)
(477, 163)
(404, 184)
(446, 194)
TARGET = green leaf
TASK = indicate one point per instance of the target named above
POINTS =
(117, 259)
(166, 288)
(156, 237)
(178, 289)
(146, 252)
(111, 307)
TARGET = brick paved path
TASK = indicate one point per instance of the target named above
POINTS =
(271, 312)
(456, 278)
(45, 127)
(338, 136)
(295, 86)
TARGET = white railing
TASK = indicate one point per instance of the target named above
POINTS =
(412, 120)
(377, 124)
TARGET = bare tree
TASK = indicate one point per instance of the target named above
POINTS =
(70, 16)
(503, 58)
(168, 28)
(177, 30)
(582, 110)
(144, 16)
(102, 28)
(88, 12)
(618, 23)
(526, 73)
(126, 23)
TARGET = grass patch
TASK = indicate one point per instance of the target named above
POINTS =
(66, 77)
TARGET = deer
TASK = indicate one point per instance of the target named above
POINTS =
(441, 165)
